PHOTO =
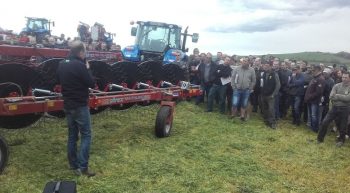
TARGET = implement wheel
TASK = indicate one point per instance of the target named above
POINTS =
(4, 153)
(164, 122)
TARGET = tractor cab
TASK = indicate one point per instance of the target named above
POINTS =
(154, 40)
(38, 27)
(156, 37)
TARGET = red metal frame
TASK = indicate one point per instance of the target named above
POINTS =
(29, 104)
(170, 104)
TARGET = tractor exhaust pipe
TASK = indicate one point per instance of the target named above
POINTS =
(46, 92)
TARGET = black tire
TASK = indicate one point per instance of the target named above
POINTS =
(4, 153)
(48, 70)
(19, 121)
(164, 122)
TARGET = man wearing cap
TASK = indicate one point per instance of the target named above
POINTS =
(340, 97)
(313, 95)
(296, 92)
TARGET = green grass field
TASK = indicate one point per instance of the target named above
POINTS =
(316, 57)
(206, 152)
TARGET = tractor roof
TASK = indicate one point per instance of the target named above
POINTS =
(37, 18)
(152, 23)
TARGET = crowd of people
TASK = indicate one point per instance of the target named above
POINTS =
(58, 42)
(271, 86)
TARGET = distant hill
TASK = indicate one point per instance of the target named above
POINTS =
(344, 55)
(318, 57)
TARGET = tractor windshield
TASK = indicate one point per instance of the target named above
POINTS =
(158, 38)
(35, 25)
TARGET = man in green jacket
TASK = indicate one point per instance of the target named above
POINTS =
(340, 97)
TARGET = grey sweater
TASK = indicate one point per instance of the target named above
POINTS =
(243, 78)
(340, 95)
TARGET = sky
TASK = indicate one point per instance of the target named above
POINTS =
(231, 26)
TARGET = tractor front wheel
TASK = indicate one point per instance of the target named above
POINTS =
(164, 122)
(4, 153)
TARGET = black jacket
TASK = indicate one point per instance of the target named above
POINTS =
(271, 84)
(285, 76)
(75, 80)
(258, 74)
(296, 85)
(222, 71)
(212, 73)
(314, 91)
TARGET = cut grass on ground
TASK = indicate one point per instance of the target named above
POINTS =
(206, 152)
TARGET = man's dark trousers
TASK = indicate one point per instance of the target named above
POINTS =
(268, 104)
(340, 115)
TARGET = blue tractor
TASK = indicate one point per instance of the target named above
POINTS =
(38, 27)
(160, 47)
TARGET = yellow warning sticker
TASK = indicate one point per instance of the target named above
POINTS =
(12, 107)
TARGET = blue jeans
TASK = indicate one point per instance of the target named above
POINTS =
(296, 106)
(78, 122)
(313, 115)
(217, 90)
(240, 98)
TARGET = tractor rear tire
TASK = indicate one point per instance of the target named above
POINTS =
(4, 153)
(164, 122)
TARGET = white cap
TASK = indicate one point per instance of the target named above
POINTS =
(327, 70)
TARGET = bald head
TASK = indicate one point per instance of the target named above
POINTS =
(77, 49)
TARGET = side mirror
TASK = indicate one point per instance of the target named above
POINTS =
(133, 31)
(186, 50)
(195, 37)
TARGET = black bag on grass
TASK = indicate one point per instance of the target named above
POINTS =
(60, 187)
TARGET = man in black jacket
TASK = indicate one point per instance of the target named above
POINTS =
(270, 86)
(296, 92)
(74, 76)
(329, 83)
(313, 95)
(206, 75)
(256, 93)
(285, 76)
(222, 73)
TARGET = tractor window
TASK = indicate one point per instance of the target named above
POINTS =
(157, 38)
(174, 41)
(38, 25)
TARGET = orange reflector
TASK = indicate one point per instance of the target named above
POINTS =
(12, 107)
(50, 103)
